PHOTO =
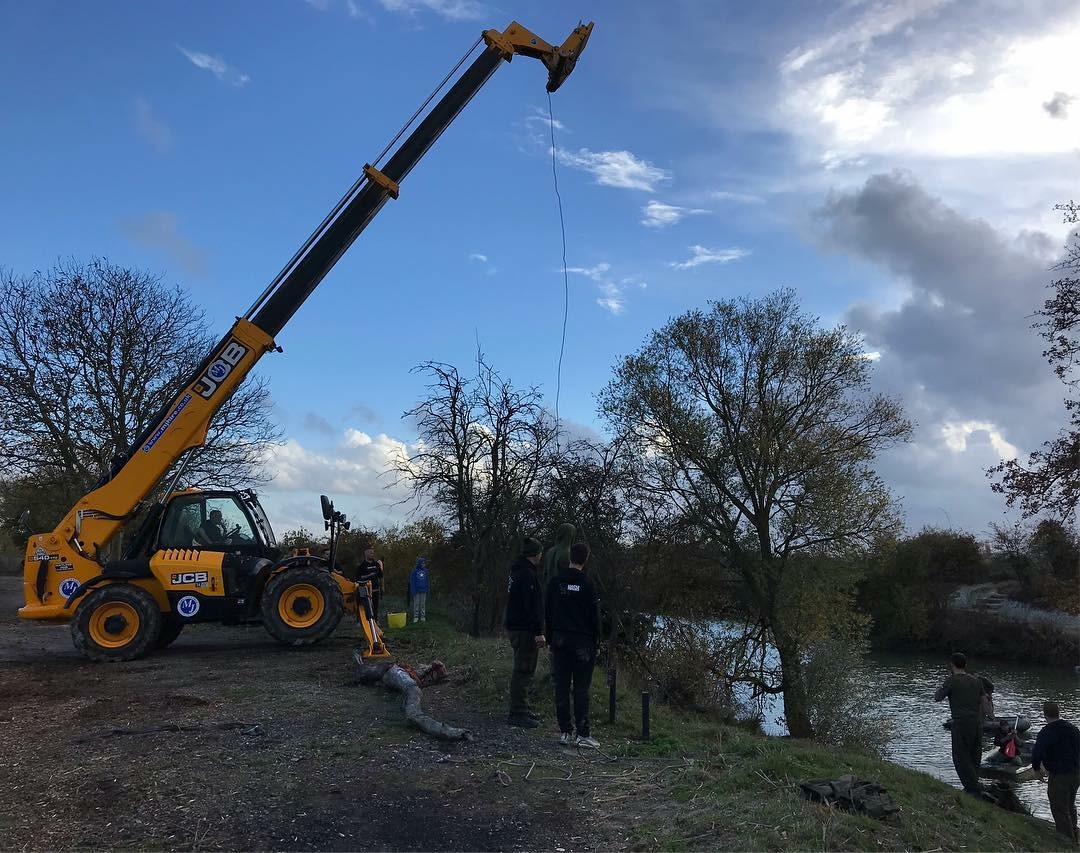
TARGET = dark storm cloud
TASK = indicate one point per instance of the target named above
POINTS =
(959, 348)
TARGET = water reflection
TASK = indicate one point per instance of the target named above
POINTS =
(906, 685)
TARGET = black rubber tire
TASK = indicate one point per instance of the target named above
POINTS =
(146, 634)
(170, 630)
(333, 606)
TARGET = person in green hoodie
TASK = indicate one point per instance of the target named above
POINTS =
(964, 692)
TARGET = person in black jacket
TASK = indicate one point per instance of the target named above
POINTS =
(524, 618)
(1058, 748)
(371, 569)
(573, 631)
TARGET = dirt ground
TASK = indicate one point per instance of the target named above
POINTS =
(278, 749)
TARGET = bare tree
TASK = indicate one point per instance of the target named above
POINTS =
(1050, 481)
(483, 447)
(89, 353)
(758, 429)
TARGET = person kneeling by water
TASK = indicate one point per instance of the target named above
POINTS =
(573, 629)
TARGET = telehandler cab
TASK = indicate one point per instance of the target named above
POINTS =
(229, 569)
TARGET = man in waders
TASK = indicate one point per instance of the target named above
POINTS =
(964, 692)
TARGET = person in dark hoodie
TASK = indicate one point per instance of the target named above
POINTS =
(572, 622)
(1057, 749)
(524, 626)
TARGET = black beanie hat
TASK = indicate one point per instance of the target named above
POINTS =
(531, 547)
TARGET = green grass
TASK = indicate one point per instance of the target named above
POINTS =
(710, 785)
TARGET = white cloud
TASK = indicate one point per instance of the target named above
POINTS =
(742, 198)
(452, 10)
(611, 297)
(906, 79)
(661, 215)
(161, 230)
(702, 255)
(360, 465)
(150, 128)
(616, 168)
(957, 433)
(481, 258)
(596, 273)
(216, 66)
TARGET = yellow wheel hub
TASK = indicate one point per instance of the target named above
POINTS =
(114, 624)
(301, 605)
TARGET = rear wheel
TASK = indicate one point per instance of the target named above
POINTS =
(170, 630)
(302, 606)
(117, 622)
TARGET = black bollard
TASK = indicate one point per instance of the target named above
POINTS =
(611, 695)
(644, 715)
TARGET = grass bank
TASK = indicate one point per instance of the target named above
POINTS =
(699, 784)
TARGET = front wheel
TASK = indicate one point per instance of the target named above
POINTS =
(117, 622)
(302, 606)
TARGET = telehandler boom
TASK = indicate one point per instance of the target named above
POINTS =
(211, 556)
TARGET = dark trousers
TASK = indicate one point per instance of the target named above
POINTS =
(1061, 791)
(571, 664)
(524, 645)
(967, 751)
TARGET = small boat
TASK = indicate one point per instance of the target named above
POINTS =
(1000, 724)
(1018, 769)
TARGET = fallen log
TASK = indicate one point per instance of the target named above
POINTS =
(409, 683)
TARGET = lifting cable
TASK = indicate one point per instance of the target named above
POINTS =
(565, 272)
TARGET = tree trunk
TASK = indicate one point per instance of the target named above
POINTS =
(796, 702)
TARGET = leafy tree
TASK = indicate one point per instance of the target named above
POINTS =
(1050, 481)
(89, 354)
(909, 581)
(758, 429)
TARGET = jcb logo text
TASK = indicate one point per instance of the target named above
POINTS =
(220, 368)
(188, 577)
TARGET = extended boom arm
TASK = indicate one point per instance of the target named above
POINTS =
(183, 424)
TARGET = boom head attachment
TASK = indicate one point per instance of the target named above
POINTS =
(560, 61)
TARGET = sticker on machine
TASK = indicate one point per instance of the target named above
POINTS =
(64, 566)
(68, 587)
(187, 606)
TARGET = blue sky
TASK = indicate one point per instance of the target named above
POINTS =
(896, 163)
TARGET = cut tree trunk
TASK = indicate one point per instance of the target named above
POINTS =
(397, 678)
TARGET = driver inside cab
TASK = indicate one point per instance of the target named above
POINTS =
(212, 530)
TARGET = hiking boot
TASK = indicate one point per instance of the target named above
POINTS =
(522, 721)
(587, 742)
(536, 716)
(566, 739)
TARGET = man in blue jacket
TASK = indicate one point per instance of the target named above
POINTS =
(419, 584)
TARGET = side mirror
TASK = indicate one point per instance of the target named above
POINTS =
(327, 507)
(24, 521)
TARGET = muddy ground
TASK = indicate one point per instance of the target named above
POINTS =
(279, 749)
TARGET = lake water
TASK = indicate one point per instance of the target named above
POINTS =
(906, 685)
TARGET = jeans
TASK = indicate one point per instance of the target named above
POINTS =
(419, 606)
(524, 645)
(1061, 791)
(573, 664)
